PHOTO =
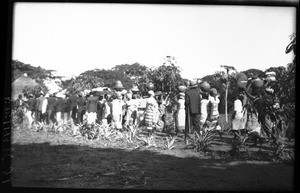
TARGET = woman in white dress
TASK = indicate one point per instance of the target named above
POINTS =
(180, 114)
(239, 116)
(117, 111)
(204, 110)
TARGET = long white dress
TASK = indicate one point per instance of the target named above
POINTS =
(214, 105)
(180, 115)
(117, 113)
(204, 110)
(238, 122)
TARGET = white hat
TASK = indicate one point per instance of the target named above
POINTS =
(47, 95)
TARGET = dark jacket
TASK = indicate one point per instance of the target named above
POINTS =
(31, 104)
(39, 103)
(51, 103)
(81, 104)
(92, 104)
(59, 105)
(192, 101)
(72, 101)
(66, 105)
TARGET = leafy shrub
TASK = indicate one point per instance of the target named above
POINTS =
(169, 142)
(149, 141)
(201, 142)
(238, 145)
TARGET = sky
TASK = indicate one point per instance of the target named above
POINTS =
(74, 37)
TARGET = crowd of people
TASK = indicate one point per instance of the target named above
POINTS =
(120, 109)
(196, 109)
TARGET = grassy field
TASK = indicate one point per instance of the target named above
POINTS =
(43, 159)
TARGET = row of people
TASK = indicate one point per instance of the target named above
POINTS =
(116, 109)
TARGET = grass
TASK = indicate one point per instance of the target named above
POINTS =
(63, 161)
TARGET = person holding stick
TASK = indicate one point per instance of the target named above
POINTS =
(192, 109)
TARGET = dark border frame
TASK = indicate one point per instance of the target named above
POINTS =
(5, 103)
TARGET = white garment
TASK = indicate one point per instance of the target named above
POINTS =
(91, 117)
(238, 108)
(58, 116)
(204, 110)
(117, 115)
(29, 117)
(106, 110)
(180, 115)
(214, 112)
(44, 106)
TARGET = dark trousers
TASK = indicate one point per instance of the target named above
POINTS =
(73, 113)
(80, 116)
(40, 116)
(195, 122)
(50, 116)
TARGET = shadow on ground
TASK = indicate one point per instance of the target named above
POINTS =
(73, 166)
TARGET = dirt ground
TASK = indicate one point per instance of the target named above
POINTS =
(42, 159)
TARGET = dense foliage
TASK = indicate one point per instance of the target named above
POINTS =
(126, 73)
(36, 73)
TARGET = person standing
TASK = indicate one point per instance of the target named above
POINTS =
(180, 114)
(204, 110)
(131, 110)
(30, 110)
(39, 107)
(44, 108)
(192, 108)
(162, 102)
(213, 106)
(92, 108)
(117, 111)
(50, 109)
(151, 112)
(58, 107)
(80, 108)
(237, 116)
(19, 107)
(100, 108)
(73, 106)
(106, 113)
(66, 109)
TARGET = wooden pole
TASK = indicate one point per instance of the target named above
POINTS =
(226, 95)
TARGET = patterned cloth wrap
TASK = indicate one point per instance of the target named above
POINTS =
(151, 114)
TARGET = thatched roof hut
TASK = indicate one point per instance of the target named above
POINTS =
(19, 84)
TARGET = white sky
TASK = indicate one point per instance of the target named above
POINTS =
(72, 38)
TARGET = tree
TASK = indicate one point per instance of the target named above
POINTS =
(254, 72)
(285, 85)
(166, 78)
(19, 68)
(126, 73)
(85, 81)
